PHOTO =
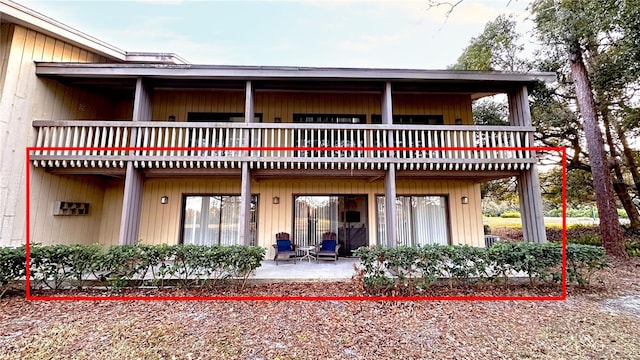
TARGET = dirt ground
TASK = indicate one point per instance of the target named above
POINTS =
(598, 322)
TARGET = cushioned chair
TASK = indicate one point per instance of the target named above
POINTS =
(328, 249)
(285, 250)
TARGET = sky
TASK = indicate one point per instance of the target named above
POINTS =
(329, 33)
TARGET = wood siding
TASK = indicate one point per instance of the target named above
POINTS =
(161, 223)
(25, 97)
(283, 104)
(48, 229)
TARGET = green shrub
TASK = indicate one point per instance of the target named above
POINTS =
(12, 266)
(633, 248)
(415, 268)
(510, 214)
(582, 261)
(58, 266)
(55, 266)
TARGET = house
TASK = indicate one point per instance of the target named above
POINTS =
(157, 150)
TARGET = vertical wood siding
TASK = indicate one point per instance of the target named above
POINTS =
(111, 213)
(23, 98)
(48, 229)
(283, 104)
(161, 223)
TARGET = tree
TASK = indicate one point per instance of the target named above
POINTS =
(497, 48)
(574, 26)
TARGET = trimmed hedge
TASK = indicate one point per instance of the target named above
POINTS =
(12, 266)
(416, 268)
(58, 266)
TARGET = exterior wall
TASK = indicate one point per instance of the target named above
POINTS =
(24, 97)
(111, 213)
(161, 223)
(283, 104)
(48, 229)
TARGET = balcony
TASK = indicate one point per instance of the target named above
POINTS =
(169, 145)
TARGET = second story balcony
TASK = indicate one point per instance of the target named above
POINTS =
(274, 146)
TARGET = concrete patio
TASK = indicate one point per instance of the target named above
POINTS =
(304, 270)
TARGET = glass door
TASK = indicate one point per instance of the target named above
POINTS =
(313, 216)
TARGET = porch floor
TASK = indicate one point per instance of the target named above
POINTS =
(305, 270)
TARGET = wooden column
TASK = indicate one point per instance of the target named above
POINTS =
(244, 219)
(390, 176)
(529, 191)
(134, 179)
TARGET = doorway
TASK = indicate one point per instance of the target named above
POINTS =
(345, 215)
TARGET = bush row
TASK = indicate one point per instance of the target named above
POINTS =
(585, 212)
(58, 266)
(576, 234)
(416, 268)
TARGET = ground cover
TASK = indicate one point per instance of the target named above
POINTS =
(594, 322)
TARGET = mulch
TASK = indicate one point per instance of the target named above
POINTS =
(581, 327)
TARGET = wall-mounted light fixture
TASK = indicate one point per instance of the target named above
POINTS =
(172, 118)
(464, 200)
(458, 121)
(277, 120)
(276, 200)
(164, 200)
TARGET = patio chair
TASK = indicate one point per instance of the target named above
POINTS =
(328, 250)
(285, 250)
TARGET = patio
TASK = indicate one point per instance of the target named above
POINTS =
(304, 270)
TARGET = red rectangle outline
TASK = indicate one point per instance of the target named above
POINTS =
(561, 150)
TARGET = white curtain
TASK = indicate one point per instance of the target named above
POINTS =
(314, 215)
(421, 220)
(213, 220)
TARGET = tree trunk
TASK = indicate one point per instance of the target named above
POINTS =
(610, 229)
(619, 186)
(628, 154)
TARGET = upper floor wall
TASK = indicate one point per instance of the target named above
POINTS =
(280, 106)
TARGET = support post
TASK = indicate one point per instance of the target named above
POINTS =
(134, 179)
(131, 206)
(390, 176)
(529, 191)
(244, 218)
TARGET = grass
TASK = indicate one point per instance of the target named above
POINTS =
(498, 222)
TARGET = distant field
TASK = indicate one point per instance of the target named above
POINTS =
(496, 222)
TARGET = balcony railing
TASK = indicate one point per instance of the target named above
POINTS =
(153, 144)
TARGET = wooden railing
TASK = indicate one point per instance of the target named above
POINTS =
(280, 146)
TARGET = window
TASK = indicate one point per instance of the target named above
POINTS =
(219, 117)
(421, 220)
(329, 118)
(411, 119)
(213, 219)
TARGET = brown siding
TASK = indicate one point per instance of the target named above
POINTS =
(283, 104)
(111, 213)
(23, 98)
(161, 223)
(81, 229)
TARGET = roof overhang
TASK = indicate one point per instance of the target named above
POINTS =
(476, 83)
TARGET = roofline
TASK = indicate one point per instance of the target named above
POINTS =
(280, 72)
(14, 13)
(20, 15)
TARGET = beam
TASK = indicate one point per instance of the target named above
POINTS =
(390, 176)
(529, 191)
(244, 218)
(134, 178)
(131, 206)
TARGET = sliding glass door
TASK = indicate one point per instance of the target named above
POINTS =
(313, 216)
(421, 220)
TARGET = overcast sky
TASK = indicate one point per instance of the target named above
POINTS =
(348, 33)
